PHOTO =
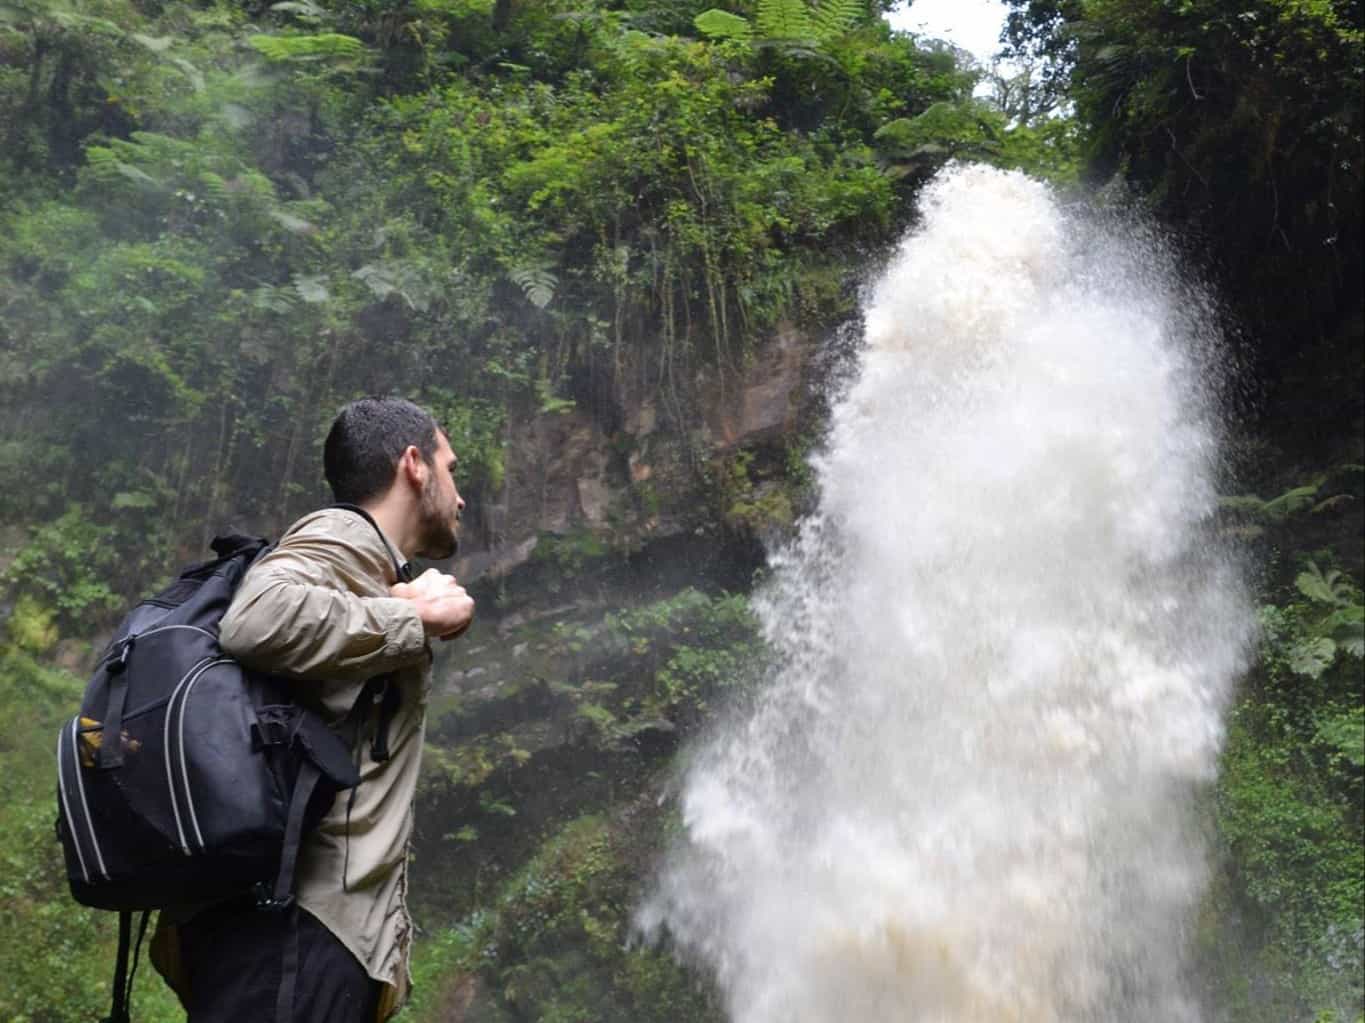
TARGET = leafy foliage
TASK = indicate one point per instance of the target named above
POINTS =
(785, 20)
(555, 945)
(220, 223)
(59, 958)
(1290, 799)
(1242, 123)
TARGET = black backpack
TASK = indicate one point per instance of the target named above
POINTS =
(188, 779)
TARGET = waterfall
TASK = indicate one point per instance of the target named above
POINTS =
(1002, 646)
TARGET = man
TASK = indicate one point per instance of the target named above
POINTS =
(326, 608)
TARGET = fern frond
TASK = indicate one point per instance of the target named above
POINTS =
(785, 19)
(718, 24)
(293, 224)
(215, 187)
(304, 48)
(101, 163)
(537, 284)
(270, 299)
(312, 288)
(835, 18)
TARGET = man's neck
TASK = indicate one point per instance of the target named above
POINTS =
(395, 519)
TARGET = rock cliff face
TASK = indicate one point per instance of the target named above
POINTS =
(610, 571)
(568, 473)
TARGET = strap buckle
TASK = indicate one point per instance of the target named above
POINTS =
(266, 901)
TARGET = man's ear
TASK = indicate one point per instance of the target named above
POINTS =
(412, 466)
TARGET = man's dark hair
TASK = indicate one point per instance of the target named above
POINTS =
(365, 442)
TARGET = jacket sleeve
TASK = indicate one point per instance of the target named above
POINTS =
(296, 615)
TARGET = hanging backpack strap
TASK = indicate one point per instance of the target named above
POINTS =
(289, 971)
(281, 897)
(123, 977)
(111, 736)
(389, 700)
(378, 690)
(118, 1012)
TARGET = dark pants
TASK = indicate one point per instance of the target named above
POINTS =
(235, 957)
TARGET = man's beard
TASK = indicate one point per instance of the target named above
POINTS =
(437, 526)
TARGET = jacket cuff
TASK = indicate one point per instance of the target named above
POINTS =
(405, 639)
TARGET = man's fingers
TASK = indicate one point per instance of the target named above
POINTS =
(435, 584)
(458, 632)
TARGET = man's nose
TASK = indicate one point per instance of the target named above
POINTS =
(459, 503)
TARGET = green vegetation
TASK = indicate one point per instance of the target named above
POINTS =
(58, 957)
(556, 945)
(1241, 125)
(604, 698)
(215, 226)
(1290, 804)
(544, 927)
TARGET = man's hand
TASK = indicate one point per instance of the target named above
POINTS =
(442, 603)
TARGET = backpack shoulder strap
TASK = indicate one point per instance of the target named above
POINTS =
(401, 569)
(381, 689)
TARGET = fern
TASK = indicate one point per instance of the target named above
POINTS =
(293, 224)
(214, 186)
(537, 284)
(1331, 587)
(409, 281)
(157, 44)
(308, 48)
(834, 18)
(101, 164)
(720, 24)
(312, 288)
(268, 298)
(304, 10)
(785, 19)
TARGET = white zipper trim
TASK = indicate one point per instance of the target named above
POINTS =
(80, 787)
(184, 768)
(135, 637)
(166, 750)
(66, 806)
(167, 628)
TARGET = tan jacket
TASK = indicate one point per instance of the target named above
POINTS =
(316, 608)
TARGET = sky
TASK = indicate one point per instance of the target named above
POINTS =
(973, 25)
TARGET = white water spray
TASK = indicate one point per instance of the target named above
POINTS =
(1003, 647)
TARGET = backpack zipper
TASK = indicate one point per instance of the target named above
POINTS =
(128, 640)
(166, 748)
(66, 804)
(180, 743)
(85, 805)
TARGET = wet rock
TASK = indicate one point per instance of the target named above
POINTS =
(594, 496)
(764, 404)
(517, 619)
(624, 466)
(642, 419)
(640, 470)
(495, 563)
